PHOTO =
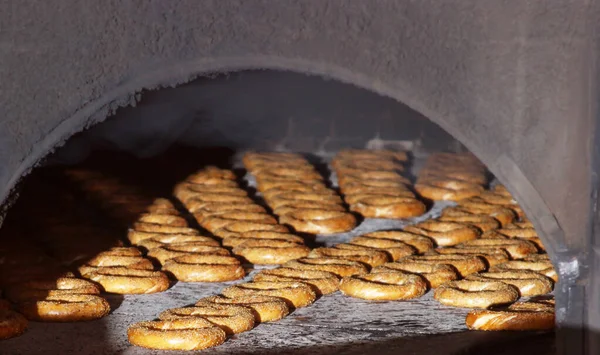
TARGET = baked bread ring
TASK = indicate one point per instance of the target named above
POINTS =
(528, 282)
(164, 253)
(370, 257)
(211, 172)
(39, 289)
(322, 282)
(447, 189)
(192, 194)
(513, 232)
(388, 207)
(167, 239)
(374, 192)
(204, 268)
(12, 324)
(123, 280)
(264, 167)
(491, 256)
(339, 267)
(290, 198)
(445, 234)
(517, 248)
(135, 237)
(288, 173)
(166, 219)
(270, 252)
(65, 308)
(316, 221)
(265, 308)
(384, 286)
(464, 264)
(395, 249)
(503, 215)
(236, 228)
(476, 294)
(201, 209)
(350, 187)
(177, 334)
(107, 260)
(434, 274)
(297, 188)
(215, 222)
(529, 315)
(419, 242)
(482, 222)
(234, 241)
(305, 205)
(221, 198)
(296, 294)
(253, 159)
(162, 228)
(266, 185)
(233, 319)
(540, 266)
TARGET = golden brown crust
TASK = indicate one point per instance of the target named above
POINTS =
(65, 308)
(434, 274)
(445, 234)
(396, 249)
(322, 282)
(122, 280)
(517, 248)
(446, 189)
(237, 228)
(270, 252)
(420, 242)
(370, 257)
(464, 264)
(204, 268)
(297, 294)
(519, 316)
(384, 286)
(476, 294)
(339, 267)
(491, 256)
(39, 289)
(219, 221)
(503, 215)
(164, 253)
(265, 308)
(529, 283)
(380, 206)
(315, 221)
(233, 241)
(233, 319)
(178, 334)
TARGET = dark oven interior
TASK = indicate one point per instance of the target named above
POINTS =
(87, 196)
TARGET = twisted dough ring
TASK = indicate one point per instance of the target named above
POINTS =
(322, 282)
(168, 239)
(530, 315)
(123, 280)
(265, 308)
(384, 286)
(482, 222)
(445, 189)
(236, 228)
(164, 253)
(372, 257)
(396, 249)
(204, 268)
(517, 249)
(528, 282)
(234, 241)
(444, 233)
(420, 242)
(270, 252)
(503, 215)
(316, 221)
(296, 294)
(295, 206)
(39, 289)
(434, 274)
(464, 264)
(543, 267)
(12, 324)
(177, 334)
(476, 294)
(202, 209)
(491, 256)
(233, 319)
(292, 197)
(136, 237)
(215, 222)
(65, 308)
(166, 219)
(339, 267)
(388, 207)
(161, 228)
